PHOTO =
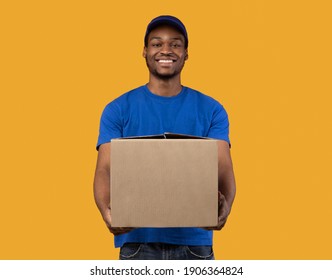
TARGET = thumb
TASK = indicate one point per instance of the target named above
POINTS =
(107, 215)
(220, 197)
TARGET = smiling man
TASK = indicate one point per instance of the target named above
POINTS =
(164, 105)
(165, 52)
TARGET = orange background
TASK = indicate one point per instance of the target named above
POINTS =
(267, 62)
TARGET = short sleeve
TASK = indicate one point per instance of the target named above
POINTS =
(110, 124)
(219, 128)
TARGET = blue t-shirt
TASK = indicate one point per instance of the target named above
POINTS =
(140, 112)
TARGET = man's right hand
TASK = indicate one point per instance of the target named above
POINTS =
(115, 230)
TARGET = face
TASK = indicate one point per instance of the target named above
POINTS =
(165, 53)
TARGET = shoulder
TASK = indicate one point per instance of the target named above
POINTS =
(132, 94)
(204, 99)
(124, 99)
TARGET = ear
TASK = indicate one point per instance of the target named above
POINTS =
(186, 55)
(144, 52)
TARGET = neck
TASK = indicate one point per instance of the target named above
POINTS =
(168, 87)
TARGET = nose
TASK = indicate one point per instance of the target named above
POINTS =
(166, 49)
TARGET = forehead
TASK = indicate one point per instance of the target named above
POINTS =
(165, 32)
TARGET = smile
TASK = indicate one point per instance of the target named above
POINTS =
(165, 61)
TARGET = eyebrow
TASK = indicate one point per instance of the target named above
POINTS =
(159, 38)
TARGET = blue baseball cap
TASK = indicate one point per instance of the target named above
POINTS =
(166, 20)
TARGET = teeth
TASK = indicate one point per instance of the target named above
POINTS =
(165, 61)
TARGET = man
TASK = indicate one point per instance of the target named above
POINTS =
(164, 105)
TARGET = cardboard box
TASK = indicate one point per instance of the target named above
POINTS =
(167, 180)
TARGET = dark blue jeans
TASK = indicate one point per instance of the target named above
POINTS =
(162, 251)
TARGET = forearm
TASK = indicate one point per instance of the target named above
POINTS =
(227, 186)
(101, 189)
(226, 178)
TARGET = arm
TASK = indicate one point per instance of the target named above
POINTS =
(226, 184)
(101, 187)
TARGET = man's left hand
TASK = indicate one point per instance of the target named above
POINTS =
(223, 212)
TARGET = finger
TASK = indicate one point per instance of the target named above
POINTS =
(210, 228)
(222, 222)
(108, 219)
(120, 230)
(219, 196)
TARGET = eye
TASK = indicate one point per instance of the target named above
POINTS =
(156, 45)
(176, 45)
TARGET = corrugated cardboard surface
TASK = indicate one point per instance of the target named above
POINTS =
(164, 182)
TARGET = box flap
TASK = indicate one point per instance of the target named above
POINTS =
(165, 135)
(170, 135)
